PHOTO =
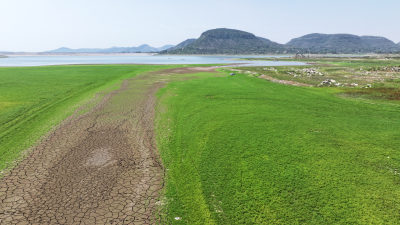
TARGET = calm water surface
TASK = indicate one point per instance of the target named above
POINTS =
(133, 59)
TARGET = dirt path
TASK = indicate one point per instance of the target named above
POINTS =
(101, 167)
(272, 79)
(286, 82)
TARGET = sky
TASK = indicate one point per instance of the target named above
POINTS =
(40, 25)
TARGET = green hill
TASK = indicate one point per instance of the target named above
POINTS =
(226, 41)
(229, 41)
(343, 43)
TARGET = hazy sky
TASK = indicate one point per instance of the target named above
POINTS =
(37, 25)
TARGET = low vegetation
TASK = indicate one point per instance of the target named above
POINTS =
(243, 150)
(366, 77)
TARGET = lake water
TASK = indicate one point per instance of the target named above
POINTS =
(41, 60)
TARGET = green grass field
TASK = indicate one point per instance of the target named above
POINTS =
(242, 150)
(35, 99)
(236, 149)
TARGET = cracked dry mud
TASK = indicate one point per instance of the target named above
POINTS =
(100, 167)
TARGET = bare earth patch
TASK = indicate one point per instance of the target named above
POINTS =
(100, 167)
(287, 82)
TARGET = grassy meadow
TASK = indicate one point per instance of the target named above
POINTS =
(239, 149)
(35, 99)
(243, 150)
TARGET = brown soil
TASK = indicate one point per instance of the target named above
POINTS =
(188, 70)
(375, 93)
(287, 82)
(101, 167)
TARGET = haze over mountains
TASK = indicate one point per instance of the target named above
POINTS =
(142, 48)
(236, 42)
(230, 41)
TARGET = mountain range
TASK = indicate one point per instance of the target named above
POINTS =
(237, 42)
(230, 41)
(139, 49)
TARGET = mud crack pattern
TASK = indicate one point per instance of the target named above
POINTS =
(101, 167)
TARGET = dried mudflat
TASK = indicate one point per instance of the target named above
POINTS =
(98, 167)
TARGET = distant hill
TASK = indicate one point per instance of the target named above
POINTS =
(165, 47)
(226, 41)
(182, 45)
(230, 41)
(142, 48)
(343, 43)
